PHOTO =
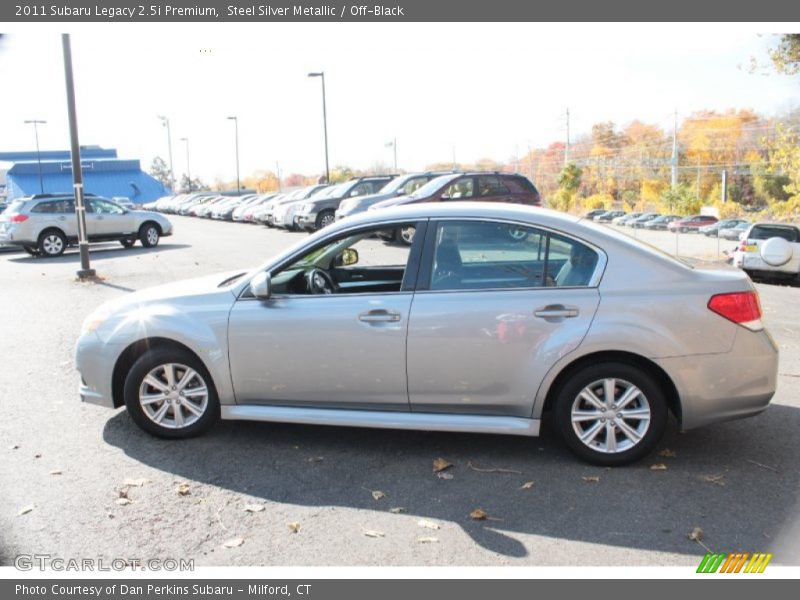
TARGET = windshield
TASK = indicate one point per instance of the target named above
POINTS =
(434, 185)
(395, 184)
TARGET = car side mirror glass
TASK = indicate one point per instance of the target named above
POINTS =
(349, 256)
(261, 285)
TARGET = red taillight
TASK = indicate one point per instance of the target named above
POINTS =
(18, 218)
(743, 308)
(742, 245)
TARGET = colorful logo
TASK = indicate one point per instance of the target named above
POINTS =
(739, 562)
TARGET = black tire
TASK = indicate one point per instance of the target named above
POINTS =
(32, 250)
(135, 380)
(325, 218)
(652, 397)
(684, 230)
(149, 235)
(52, 243)
(128, 242)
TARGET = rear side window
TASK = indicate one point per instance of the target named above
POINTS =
(474, 255)
(764, 232)
(53, 207)
(524, 184)
(491, 186)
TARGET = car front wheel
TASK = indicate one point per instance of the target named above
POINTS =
(169, 393)
(611, 414)
(149, 235)
(52, 243)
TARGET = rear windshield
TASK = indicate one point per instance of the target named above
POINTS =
(764, 232)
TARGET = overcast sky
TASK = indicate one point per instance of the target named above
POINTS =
(487, 90)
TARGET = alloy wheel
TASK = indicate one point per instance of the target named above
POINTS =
(173, 395)
(53, 245)
(610, 415)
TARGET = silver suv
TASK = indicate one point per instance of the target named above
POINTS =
(45, 224)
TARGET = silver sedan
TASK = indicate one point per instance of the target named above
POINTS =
(494, 317)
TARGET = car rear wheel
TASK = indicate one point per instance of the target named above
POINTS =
(169, 394)
(149, 235)
(52, 243)
(611, 414)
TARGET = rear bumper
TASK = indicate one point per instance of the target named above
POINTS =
(720, 387)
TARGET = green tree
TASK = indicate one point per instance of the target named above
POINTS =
(786, 56)
(569, 178)
(160, 171)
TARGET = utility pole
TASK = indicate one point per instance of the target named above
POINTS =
(566, 148)
(165, 123)
(674, 179)
(236, 130)
(188, 170)
(36, 123)
(278, 173)
(321, 75)
(85, 272)
(724, 186)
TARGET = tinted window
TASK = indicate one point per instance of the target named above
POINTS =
(485, 255)
(103, 207)
(54, 207)
(764, 232)
(460, 189)
(491, 186)
(524, 183)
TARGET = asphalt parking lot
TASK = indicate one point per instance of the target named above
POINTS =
(83, 481)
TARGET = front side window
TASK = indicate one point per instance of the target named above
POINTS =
(460, 189)
(414, 184)
(472, 255)
(357, 263)
(103, 207)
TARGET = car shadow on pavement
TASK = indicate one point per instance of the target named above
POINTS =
(97, 253)
(737, 481)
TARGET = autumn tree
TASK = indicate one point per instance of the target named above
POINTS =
(786, 55)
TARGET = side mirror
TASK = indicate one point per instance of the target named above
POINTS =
(261, 285)
(400, 192)
(349, 256)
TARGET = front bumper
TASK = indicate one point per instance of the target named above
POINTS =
(306, 221)
(721, 387)
(95, 361)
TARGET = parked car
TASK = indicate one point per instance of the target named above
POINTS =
(320, 211)
(713, 229)
(46, 223)
(769, 249)
(623, 220)
(224, 210)
(594, 213)
(660, 222)
(400, 186)
(478, 186)
(239, 213)
(734, 233)
(124, 202)
(466, 330)
(608, 215)
(690, 224)
(281, 213)
(639, 221)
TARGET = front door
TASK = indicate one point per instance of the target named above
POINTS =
(333, 332)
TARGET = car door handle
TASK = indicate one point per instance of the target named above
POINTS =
(379, 316)
(556, 311)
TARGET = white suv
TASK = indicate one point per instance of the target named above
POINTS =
(769, 249)
(45, 224)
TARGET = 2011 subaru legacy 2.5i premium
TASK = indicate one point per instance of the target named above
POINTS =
(495, 315)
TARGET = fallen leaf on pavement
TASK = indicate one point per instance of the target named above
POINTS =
(444, 475)
(397, 510)
(37, 455)
(254, 507)
(25, 510)
(479, 514)
(441, 464)
(378, 495)
(183, 489)
(136, 482)
(658, 467)
(233, 543)
(718, 479)
(123, 493)
(591, 478)
(527, 485)
(374, 534)
(14, 447)
(696, 534)
(294, 526)
(667, 453)
(123, 501)
(428, 540)
(55, 472)
(428, 524)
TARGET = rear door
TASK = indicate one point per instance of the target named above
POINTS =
(493, 312)
(59, 213)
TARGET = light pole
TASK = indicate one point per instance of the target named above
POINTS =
(236, 125)
(324, 123)
(36, 123)
(188, 170)
(165, 123)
